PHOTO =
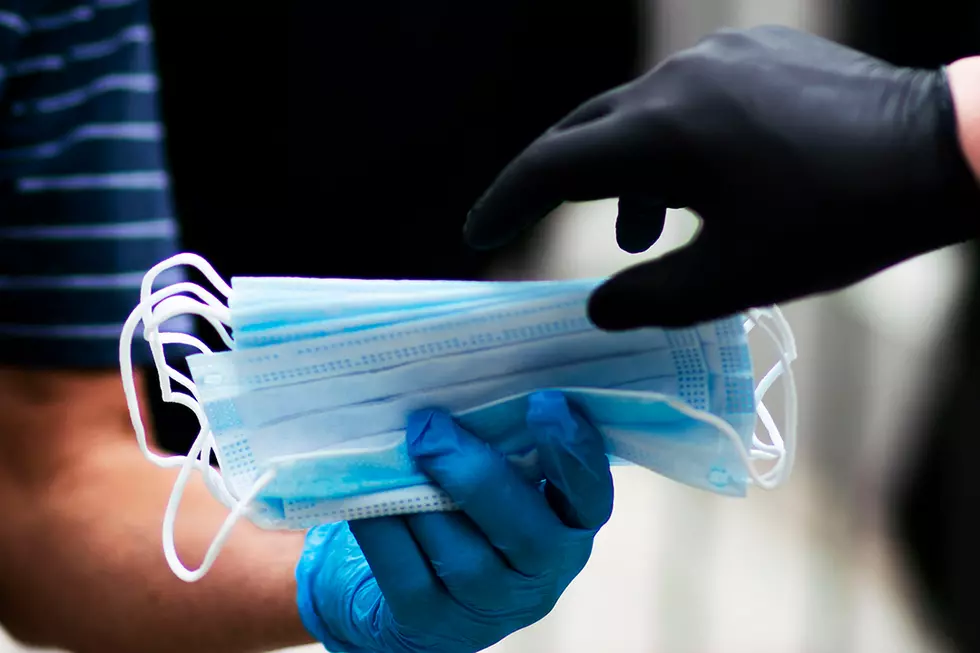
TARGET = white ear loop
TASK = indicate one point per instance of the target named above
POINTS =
(154, 309)
(784, 453)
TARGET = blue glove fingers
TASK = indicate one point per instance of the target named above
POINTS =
(409, 584)
(336, 592)
(572, 455)
(513, 515)
(473, 572)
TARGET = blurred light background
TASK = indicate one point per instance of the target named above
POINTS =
(809, 568)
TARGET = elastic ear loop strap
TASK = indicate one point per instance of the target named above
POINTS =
(784, 453)
(782, 336)
(777, 475)
(154, 309)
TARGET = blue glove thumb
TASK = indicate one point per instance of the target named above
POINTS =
(572, 456)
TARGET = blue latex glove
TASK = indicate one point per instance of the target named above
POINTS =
(459, 582)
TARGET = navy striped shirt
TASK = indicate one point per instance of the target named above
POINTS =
(84, 197)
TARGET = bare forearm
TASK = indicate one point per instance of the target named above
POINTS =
(81, 564)
(964, 80)
(87, 572)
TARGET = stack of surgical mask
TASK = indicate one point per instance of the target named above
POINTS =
(306, 411)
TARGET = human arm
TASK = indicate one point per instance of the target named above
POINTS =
(964, 84)
(84, 211)
(81, 565)
(812, 166)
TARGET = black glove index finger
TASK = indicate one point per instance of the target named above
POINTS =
(572, 164)
(511, 204)
(526, 191)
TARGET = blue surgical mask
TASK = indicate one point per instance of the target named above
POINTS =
(269, 311)
(306, 412)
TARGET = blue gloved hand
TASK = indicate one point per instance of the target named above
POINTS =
(459, 582)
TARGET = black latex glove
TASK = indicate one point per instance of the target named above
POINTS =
(811, 165)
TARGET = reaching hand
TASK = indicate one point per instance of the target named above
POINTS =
(811, 166)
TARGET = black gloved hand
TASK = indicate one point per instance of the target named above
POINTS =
(811, 165)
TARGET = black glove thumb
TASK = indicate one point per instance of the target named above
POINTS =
(692, 285)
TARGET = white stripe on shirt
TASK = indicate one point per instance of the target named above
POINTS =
(116, 281)
(79, 14)
(146, 230)
(14, 22)
(150, 180)
(150, 132)
(134, 34)
(180, 323)
(106, 47)
(40, 64)
(134, 83)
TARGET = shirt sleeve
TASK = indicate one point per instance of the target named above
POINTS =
(85, 208)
